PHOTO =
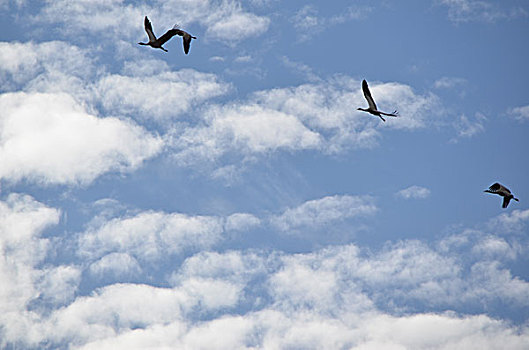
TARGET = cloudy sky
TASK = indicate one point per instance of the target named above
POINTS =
(235, 198)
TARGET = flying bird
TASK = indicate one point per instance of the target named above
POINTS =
(186, 38)
(503, 191)
(157, 43)
(372, 105)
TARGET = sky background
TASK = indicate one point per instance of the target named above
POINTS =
(235, 198)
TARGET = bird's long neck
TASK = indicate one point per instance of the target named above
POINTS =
(516, 199)
(143, 43)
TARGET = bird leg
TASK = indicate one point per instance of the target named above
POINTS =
(164, 49)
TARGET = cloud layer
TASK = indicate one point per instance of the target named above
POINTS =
(339, 296)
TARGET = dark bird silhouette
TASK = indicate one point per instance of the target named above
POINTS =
(372, 105)
(503, 191)
(186, 38)
(153, 41)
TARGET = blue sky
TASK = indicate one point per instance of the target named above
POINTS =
(235, 198)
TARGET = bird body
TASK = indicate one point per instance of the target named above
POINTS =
(503, 191)
(372, 105)
(157, 42)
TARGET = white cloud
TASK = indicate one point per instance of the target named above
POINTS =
(307, 20)
(415, 192)
(243, 59)
(520, 113)
(322, 211)
(448, 82)
(273, 329)
(480, 10)
(162, 97)
(495, 247)
(116, 265)
(468, 127)
(235, 266)
(58, 284)
(20, 63)
(336, 297)
(515, 221)
(51, 139)
(226, 20)
(320, 116)
(150, 236)
(245, 129)
(241, 221)
(301, 68)
(231, 23)
(22, 222)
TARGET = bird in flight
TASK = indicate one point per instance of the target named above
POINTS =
(153, 41)
(372, 105)
(186, 38)
(503, 191)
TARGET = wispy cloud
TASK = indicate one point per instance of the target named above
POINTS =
(448, 82)
(301, 68)
(468, 127)
(480, 10)
(520, 113)
(414, 192)
(307, 20)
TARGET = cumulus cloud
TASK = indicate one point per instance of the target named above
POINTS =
(322, 211)
(116, 265)
(50, 138)
(338, 296)
(22, 63)
(241, 222)
(226, 20)
(515, 221)
(161, 96)
(319, 116)
(22, 249)
(520, 113)
(415, 192)
(150, 236)
(243, 129)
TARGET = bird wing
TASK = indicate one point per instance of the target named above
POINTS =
(506, 201)
(367, 95)
(187, 43)
(394, 114)
(495, 187)
(168, 35)
(148, 29)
